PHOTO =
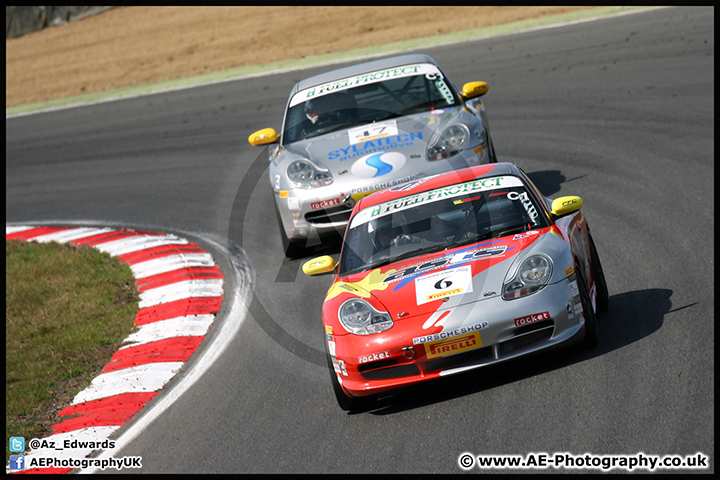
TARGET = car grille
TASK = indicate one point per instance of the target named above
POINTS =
(339, 214)
(527, 335)
(522, 338)
(473, 357)
(386, 369)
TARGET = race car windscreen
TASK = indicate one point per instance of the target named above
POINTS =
(365, 99)
(437, 220)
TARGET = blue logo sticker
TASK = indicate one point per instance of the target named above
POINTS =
(17, 462)
(378, 164)
(17, 444)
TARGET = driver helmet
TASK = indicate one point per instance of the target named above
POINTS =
(382, 232)
(318, 109)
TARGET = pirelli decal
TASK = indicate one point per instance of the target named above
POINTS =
(453, 345)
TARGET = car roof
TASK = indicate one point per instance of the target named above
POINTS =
(361, 68)
(437, 181)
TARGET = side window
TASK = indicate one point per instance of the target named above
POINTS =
(539, 197)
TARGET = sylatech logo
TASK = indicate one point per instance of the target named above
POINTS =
(378, 164)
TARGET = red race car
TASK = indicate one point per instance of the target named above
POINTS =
(454, 272)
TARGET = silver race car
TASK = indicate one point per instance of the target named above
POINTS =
(353, 131)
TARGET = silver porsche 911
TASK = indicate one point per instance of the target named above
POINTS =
(360, 129)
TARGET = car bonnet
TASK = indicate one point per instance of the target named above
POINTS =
(386, 149)
(425, 286)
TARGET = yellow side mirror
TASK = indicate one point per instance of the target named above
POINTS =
(566, 205)
(264, 136)
(316, 266)
(474, 89)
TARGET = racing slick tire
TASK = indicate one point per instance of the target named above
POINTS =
(591, 324)
(292, 248)
(346, 403)
(492, 156)
(602, 296)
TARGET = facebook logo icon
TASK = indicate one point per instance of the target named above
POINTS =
(17, 462)
(17, 444)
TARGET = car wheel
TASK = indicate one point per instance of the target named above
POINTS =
(292, 248)
(591, 324)
(346, 403)
(602, 296)
(493, 156)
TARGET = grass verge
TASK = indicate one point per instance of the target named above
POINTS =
(67, 310)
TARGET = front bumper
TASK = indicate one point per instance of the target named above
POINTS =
(493, 331)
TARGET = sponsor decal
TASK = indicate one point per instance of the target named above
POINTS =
(526, 203)
(409, 185)
(478, 150)
(284, 194)
(379, 186)
(569, 271)
(444, 284)
(293, 204)
(378, 164)
(574, 289)
(374, 356)
(442, 87)
(372, 131)
(380, 144)
(535, 317)
(525, 234)
(461, 257)
(578, 305)
(328, 329)
(363, 288)
(325, 203)
(450, 334)
(451, 191)
(454, 345)
(364, 79)
(342, 367)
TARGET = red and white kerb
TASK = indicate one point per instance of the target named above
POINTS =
(181, 291)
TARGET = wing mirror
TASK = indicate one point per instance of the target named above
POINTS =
(565, 206)
(474, 89)
(319, 265)
(264, 136)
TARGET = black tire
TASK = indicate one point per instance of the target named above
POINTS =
(591, 324)
(292, 248)
(346, 403)
(492, 156)
(602, 295)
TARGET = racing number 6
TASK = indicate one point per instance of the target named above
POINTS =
(443, 284)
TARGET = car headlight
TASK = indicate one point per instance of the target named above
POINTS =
(451, 141)
(303, 174)
(360, 318)
(533, 274)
